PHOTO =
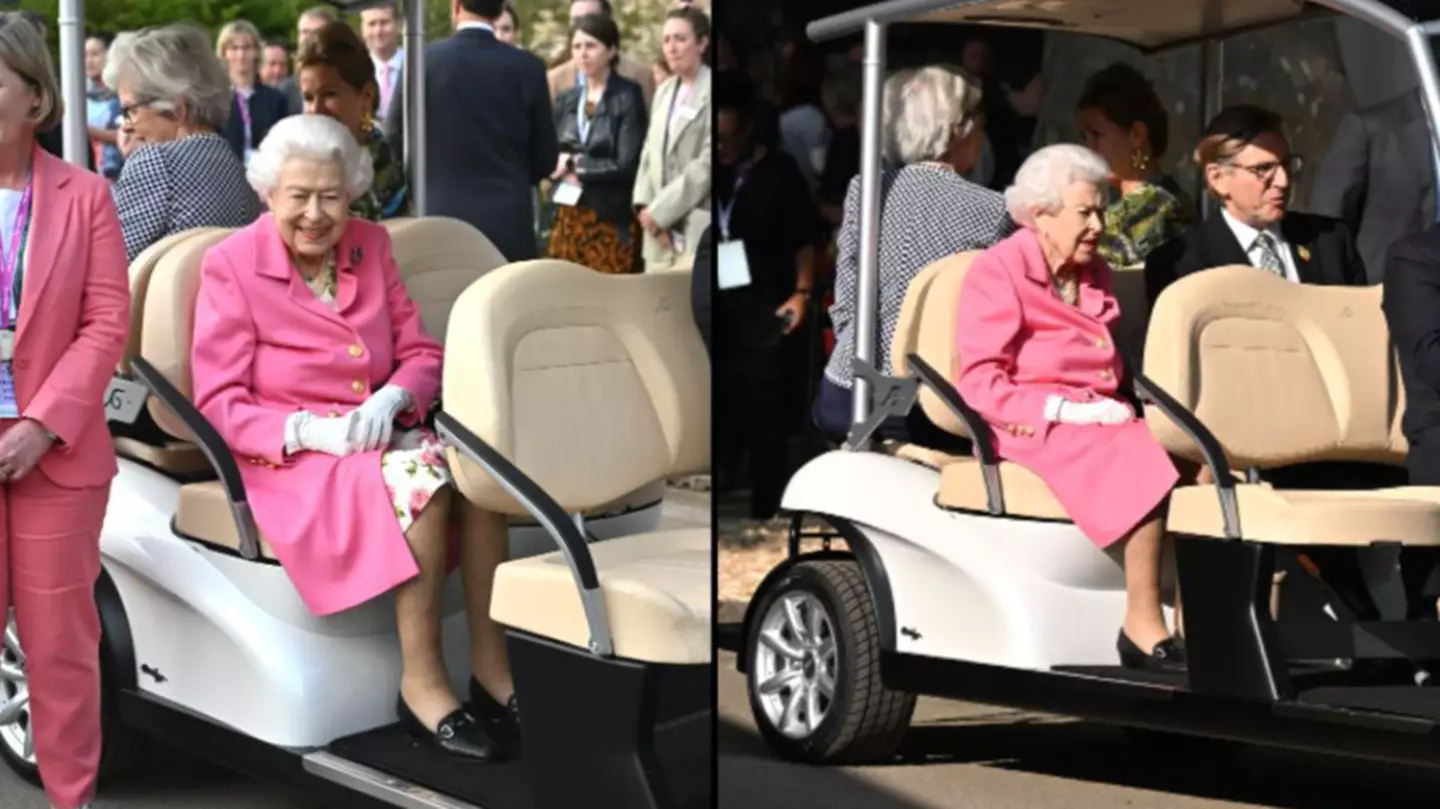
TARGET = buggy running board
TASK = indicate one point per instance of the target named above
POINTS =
(378, 785)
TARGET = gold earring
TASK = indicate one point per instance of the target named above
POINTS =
(1140, 160)
(367, 123)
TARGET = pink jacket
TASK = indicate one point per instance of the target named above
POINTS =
(74, 319)
(1019, 343)
(266, 347)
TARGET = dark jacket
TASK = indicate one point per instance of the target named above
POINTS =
(266, 107)
(490, 136)
(702, 281)
(1379, 177)
(608, 159)
(1412, 311)
(1330, 253)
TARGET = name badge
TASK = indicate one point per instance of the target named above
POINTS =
(7, 345)
(567, 194)
(9, 407)
(732, 268)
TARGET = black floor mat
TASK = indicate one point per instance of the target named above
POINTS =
(393, 751)
(1403, 700)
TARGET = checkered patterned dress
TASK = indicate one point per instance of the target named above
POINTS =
(927, 212)
(194, 182)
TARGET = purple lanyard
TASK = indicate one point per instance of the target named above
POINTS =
(10, 263)
(726, 209)
(245, 118)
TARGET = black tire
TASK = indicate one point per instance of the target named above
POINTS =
(865, 721)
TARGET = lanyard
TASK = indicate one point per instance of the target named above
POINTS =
(582, 121)
(726, 208)
(245, 117)
(10, 262)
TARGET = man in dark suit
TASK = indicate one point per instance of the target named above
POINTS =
(1412, 310)
(1248, 167)
(490, 134)
(1379, 177)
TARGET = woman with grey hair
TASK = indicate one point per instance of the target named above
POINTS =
(174, 98)
(1039, 363)
(928, 210)
(311, 359)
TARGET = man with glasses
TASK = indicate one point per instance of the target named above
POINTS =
(1249, 169)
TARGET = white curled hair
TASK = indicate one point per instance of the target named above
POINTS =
(312, 137)
(1044, 176)
(927, 108)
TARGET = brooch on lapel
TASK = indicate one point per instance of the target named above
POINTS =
(356, 253)
(1303, 252)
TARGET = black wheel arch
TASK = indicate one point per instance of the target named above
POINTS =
(863, 552)
(117, 646)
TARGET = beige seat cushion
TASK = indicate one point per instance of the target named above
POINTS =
(438, 258)
(179, 458)
(204, 514)
(657, 590)
(924, 456)
(593, 385)
(962, 487)
(1292, 517)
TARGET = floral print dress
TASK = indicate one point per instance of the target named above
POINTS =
(389, 193)
(414, 467)
(1139, 222)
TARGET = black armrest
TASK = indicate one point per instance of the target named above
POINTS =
(979, 430)
(560, 525)
(214, 447)
(1210, 448)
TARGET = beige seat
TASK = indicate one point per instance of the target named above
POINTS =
(175, 457)
(203, 510)
(593, 386)
(1283, 374)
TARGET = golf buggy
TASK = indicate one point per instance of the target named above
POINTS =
(568, 399)
(961, 575)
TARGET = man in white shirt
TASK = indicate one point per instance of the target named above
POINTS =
(1249, 169)
(380, 28)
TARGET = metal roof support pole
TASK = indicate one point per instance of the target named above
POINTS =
(72, 80)
(867, 304)
(414, 112)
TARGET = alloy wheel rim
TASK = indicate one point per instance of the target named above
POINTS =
(795, 664)
(15, 724)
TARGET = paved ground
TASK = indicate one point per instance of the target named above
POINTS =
(175, 781)
(965, 755)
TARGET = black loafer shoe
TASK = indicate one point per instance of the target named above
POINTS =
(503, 721)
(1167, 656)
(458, 734)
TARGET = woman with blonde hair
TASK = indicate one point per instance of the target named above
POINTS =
(255, 107)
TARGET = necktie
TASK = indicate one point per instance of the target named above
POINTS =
(387, 87)
(1269, 258)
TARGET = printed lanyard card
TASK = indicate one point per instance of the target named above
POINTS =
(732, 268)
(9, 407)
(567, 194)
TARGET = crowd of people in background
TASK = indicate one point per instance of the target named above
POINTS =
(600, 156)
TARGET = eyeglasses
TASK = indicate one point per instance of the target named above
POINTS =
(1265, 172)
(128, 111)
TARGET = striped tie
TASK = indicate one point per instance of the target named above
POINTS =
(1269, 256)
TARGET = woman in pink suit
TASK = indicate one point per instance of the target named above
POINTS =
(1038, 362)
(311, 360)
(64, 311)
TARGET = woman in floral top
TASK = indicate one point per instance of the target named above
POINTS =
(1120, 117)
(336, 77)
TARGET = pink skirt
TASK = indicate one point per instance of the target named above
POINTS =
(1109, 478)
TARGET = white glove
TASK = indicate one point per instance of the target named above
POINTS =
(305, 431)
(1100, 411)
(375, 420)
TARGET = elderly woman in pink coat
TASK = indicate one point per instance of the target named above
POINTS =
(311, 360)
(1038, 362)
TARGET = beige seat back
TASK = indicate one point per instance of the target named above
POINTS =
(140, 271)
(170, 320)
(593, 385)
(927, 328)
(1281, 373)
(439, 258)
